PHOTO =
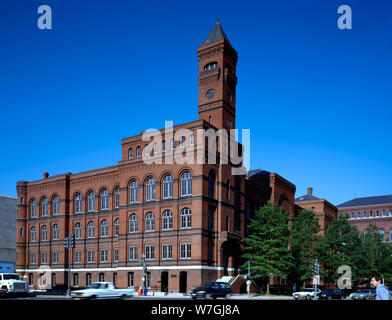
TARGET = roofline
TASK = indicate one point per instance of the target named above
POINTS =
(367, 205)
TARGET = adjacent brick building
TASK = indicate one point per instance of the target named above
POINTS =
(364, 211)
(325, 211)
(186, 219)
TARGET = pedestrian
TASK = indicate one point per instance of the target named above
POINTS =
(381, 290)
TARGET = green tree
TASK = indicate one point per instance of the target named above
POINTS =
(266, 246)
(304, 242)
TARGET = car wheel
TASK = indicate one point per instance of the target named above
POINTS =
(227, 296)
(341, 298)
(329, 298)
(123, 297)
(93, 297)
(308, 297)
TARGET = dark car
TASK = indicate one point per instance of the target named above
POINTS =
(211, 290)
(330, 294)
(364, 294)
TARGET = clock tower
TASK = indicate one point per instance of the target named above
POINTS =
(217, 79)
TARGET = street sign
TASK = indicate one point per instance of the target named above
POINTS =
(248, 282)
(316, 280)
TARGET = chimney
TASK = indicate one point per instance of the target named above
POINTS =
(46, 175)
(310, 191)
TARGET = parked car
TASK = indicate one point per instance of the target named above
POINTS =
(306, 293)
(13, 284)
(330, 294)
(3, 293)
(211, 290)
(364, 294)
(102, 290)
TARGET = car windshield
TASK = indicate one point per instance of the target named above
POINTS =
(308, 290)
(11, 277)
(96, 285)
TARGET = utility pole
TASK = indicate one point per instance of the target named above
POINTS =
(316, 272)
(144, 274)
(69, 243)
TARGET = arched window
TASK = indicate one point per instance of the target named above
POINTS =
(104, 199)
(382, 233)
(116, 227)
(33, 209)
(191, 140)
(33, 235)
(186, 218)
(211, 185)
(182, 142)
(147, 150)
(150, 221)
(90, 229)
(78, 230)
(150, 189)
(168, 187)
(91, 202)
(56, 205)
(211, 66)
(155, 148)
(173, 146)
(44, 207)
(163, 146)
(133, 192)
(117, 198)
(104, 228)
(167, 220)
(55, 232)
(21, 232)
(44, 233)
(78, 203)
(133, 223)
(390, 235)
(130, 153)
(138, 153)
(186, 184)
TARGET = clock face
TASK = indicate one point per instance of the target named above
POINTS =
(210, 94)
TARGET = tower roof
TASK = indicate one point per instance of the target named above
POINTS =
(216, 34)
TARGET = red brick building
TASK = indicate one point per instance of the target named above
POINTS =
(325, 211)
(364, 211)
(186, 219)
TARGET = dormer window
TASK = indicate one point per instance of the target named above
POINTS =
(211, 66)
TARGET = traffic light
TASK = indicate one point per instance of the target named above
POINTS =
(316, 268)
(66, 243)
(72, 240)
(145, 268)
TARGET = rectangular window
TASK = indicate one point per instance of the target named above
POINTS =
(131, 279)
(166, 251)
(390, 213)
(78, 257)
(33, 258)
(149, 252)
(132, 253)
(90, 256)
(365, 214)
(44, 259)
(185, 251)
(76, 280)
(210, 251)
(377, 214)
(384, 214)
(358, 215)
(148, 279)
(115, 255)
(163, 146)
(352, 215)
(371, 214)
(104, 256)
(101, 277)
(55, 257)
(210, 220)
(88, 279)
(53, 280)
(117, 199)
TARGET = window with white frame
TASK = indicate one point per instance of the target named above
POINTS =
(167, 187)
(55, 232)
(185, 251)
(91, 202)
(33, 235)
(78, 203)
(365, 214)
(78, 230)
(167, 252)
(78, 257)
(150, 221)
(390, 213)
(90, 256)
(33, 209)
(186, 184)
(130, 153)
(133, 223)
(133, 192)
(149, 252)
(55, 257)
(150, 189)
(191, 140)
(104, 229)
(103, 255)
(44, 258)
(117, 198)
(377, 214)
(358, 215)
(115, 255)
(104, 200)
(182, 142)
(384, 213)
(138, 153)
(186, 218)
(167, 220)
(90, 229)
(132, 253)
(44, 233)
(76, 280)
(56, 205)
(382, 233)
(371, 214)
(147, 150)
(116, 227)
(163, 146)
(148, 279)
(352, 215)
(44, 207)
(33, 259)
(155, 148)
(173, 144)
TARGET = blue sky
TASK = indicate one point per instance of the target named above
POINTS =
(317, 99)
